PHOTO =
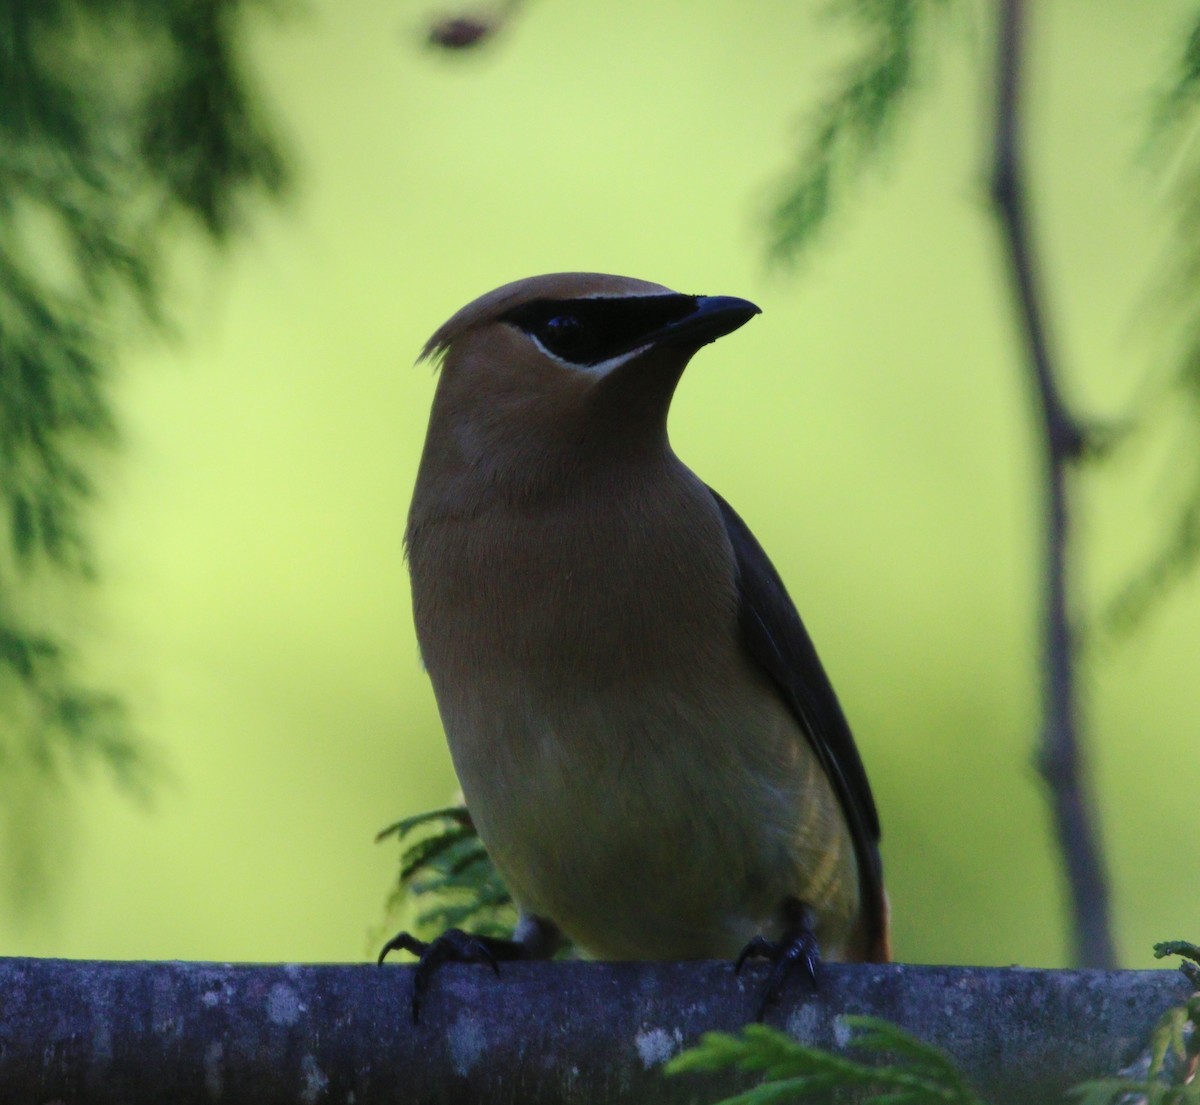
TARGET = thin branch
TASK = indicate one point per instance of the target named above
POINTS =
(1060, 757)
(86, 1033)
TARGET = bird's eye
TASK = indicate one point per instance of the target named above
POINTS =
(565, 335)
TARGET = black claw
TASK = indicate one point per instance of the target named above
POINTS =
(759, 947)
(402, 942)
(797, 948)
(801, 952)
(453, 946)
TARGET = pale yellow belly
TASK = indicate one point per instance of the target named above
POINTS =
(661, 825)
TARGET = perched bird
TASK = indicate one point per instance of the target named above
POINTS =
(647, 741)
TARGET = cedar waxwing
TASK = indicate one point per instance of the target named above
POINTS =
(647, 742)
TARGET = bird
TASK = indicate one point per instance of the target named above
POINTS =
(648, 744)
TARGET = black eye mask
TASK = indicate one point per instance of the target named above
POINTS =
(589, 331)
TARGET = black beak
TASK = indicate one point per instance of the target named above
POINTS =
(684, 324)
(714, 317)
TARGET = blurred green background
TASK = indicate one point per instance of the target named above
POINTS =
(873, 427)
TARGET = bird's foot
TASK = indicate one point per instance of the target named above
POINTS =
(453, 946)
(796, 949)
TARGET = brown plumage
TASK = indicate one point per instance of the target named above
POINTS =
(646, 740)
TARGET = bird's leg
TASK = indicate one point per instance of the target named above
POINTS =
(533, 938)
(796, 948)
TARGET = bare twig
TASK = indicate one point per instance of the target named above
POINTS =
(1060, 758)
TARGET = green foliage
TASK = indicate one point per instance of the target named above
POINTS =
(117, 119)
(911, 1072)
(1168, 1079)
(1173, 1051)
(1181, 95)
(914, 1074)
(1174, 153)
(1190, 954)
(853, 124)
(58, 718)
(447, 879)
(849, 129)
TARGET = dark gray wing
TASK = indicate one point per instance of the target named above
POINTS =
(775, 636)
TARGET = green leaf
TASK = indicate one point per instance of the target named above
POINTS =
(923, 1077)
(85, 212)
(852, 125)
(447, 879)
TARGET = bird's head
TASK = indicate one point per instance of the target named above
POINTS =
(554, 372)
